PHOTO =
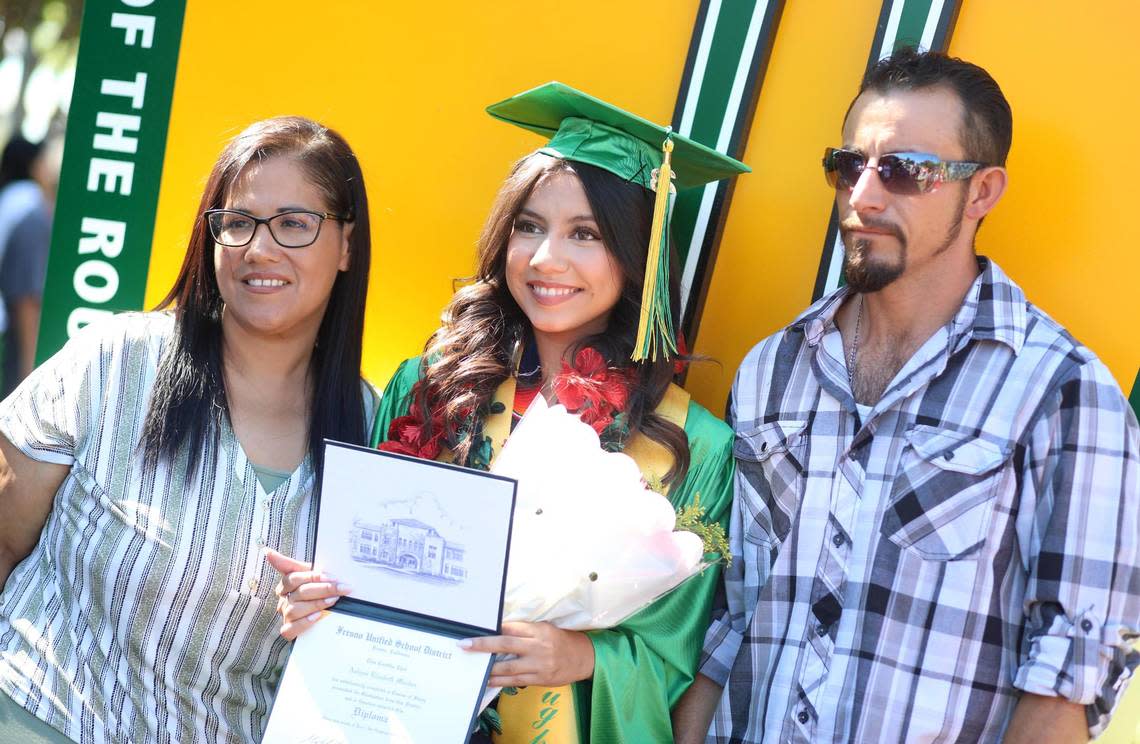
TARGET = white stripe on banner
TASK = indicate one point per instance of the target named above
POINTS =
(892, 29)
(836, 266)
(741, 79)
(693, 95)
(931, 27)
(732, 111)
(693, 257)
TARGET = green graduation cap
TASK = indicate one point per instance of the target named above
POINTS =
(586, 130)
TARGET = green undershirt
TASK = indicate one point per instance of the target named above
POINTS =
(269, 478)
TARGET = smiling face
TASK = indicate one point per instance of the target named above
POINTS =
(558, 269)
(885, 234)
(269, 290)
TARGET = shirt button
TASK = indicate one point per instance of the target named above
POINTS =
(803, 716)
(1086, 625)
(260, 543)
(253, 584)
(837, 541)
(821, 630)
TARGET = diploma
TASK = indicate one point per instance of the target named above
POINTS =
(353, 679)
(424, 546)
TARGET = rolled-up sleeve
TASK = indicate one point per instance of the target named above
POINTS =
(1081, 540)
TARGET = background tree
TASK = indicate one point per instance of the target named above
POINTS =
(42, 38)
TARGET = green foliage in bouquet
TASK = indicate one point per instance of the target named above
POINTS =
(691, 519)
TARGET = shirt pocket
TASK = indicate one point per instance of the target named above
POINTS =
(942, 499)
(770, 470)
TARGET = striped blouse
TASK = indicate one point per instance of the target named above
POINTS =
(146, 611)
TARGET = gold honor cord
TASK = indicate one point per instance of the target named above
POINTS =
(655, 328)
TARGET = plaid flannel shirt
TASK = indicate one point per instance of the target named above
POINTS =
(902, 578)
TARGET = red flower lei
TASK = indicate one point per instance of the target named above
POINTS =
(407, 435)
(596, 393)
(592, 390)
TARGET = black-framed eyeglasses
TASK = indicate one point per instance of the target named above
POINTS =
(904, 173)
(297, 228)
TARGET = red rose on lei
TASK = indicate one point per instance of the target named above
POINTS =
(592, 390)
(407, 436)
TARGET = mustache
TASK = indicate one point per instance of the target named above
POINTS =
(872, 223)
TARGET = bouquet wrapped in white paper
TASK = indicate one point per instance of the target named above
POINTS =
(591, 544)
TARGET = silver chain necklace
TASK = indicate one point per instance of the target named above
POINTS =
(854, 345)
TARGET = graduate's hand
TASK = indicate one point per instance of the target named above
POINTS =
(302, 593)
(547, 655)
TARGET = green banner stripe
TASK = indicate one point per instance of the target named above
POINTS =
(912, 23)
(712, 91)
(112, 166)
(685, 221)
(720, 74)
(728, 56)
(1135, 399)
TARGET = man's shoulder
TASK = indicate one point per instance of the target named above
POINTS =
(1045, 333)
(786, 343)
(1028, 327)
(761, 353)
(1049, 345)
(1050, 363)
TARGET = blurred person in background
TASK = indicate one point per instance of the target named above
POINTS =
(29, 173)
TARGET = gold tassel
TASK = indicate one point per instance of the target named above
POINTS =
(645, 347)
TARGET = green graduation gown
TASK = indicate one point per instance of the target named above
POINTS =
(642, 666)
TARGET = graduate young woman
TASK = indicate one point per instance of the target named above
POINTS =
(144, 467)
(575, 300)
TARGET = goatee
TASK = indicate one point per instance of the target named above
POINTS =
(865, 275)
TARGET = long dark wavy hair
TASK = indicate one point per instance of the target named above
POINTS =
(188, 403)
(465, 361)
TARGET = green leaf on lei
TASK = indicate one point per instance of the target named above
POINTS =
(614, 437)
(479, 456)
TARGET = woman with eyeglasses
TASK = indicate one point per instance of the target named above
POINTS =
(573, 271)
(146, 466)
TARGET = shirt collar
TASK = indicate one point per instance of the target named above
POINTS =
(994, 309)
(815, 321)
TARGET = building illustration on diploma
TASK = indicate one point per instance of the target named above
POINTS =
(408, 546)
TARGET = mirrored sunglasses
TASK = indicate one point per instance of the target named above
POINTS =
(904, 173)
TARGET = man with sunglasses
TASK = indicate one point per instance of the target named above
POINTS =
(937, 527)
